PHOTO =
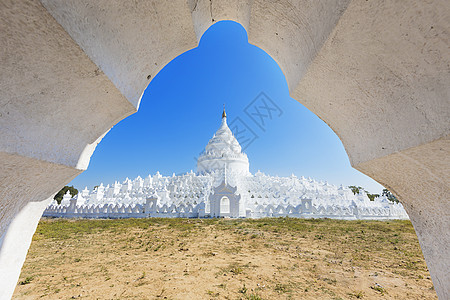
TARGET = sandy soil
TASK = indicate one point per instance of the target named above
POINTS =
(224, 259)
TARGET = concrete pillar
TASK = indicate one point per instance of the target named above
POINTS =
(15, 242)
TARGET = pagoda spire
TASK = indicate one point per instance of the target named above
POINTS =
(224, 114)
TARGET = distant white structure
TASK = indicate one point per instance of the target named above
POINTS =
(223, 187)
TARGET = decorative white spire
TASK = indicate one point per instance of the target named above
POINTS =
(223, 148)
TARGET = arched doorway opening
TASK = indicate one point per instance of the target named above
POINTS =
(224, 206)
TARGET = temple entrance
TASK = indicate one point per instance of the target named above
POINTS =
(224, 201)
(224, 206)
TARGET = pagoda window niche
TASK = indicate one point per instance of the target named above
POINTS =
(224, 205)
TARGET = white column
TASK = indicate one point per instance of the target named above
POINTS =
(14, 245)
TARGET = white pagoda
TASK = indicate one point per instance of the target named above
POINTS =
(223, 187)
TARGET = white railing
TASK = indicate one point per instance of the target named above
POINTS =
(151, 209)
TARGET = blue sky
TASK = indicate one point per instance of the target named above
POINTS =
(181, 109)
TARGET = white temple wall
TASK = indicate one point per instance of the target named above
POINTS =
(216, 164)
(153, 210)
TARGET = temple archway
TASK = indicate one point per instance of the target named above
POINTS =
(224, 206)
(352, 75)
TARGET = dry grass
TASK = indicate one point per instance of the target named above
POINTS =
(224, 259)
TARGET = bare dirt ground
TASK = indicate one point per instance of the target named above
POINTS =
(224, 259)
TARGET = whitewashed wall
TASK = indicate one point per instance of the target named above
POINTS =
(149, 209)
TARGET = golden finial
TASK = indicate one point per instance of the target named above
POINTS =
(224, 114)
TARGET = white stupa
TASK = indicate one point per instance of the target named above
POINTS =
(223, 151)
(224, 187)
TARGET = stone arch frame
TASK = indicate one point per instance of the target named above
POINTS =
(224, 190)
(338, 58)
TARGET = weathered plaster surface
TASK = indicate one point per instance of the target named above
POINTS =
(382, 79)
(130, 41)
(24, 183)
(54, 99)
(26, 179)
(15, 243)
(421, 177)
(205, 13)
(376, 71)
(54, 104)
(293, 32)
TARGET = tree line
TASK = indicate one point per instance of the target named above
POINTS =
(357, 189)
(59, 196)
